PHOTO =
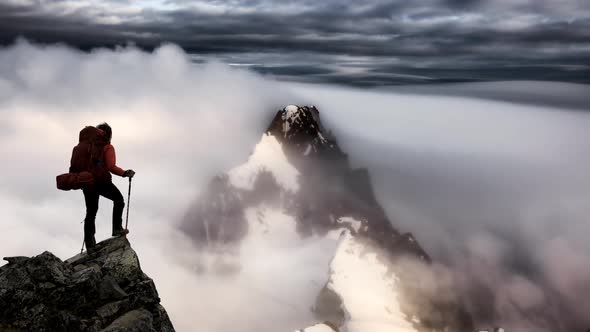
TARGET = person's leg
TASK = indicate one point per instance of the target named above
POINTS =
(110, 191)
(91, 200)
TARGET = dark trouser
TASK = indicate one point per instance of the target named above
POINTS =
(91, 195)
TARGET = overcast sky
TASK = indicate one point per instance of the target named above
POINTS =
(364, 42)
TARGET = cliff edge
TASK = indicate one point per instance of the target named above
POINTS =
(105, 291)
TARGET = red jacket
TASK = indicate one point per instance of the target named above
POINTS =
(110, 160)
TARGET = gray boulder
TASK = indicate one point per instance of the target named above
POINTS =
(105, 291)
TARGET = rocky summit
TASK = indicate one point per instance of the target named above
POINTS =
(105, 291)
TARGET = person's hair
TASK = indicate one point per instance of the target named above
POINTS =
(107, 129)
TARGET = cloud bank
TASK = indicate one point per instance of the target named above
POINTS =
(176, 125)
(497, 192)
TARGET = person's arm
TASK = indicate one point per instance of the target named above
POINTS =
(110, 160)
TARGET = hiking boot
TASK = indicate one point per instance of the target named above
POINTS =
(90, 245)
(120, 232)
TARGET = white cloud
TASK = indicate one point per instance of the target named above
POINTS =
(496, 190)
(484, 185)
(177, 125)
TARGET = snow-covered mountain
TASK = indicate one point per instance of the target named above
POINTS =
(298, 184)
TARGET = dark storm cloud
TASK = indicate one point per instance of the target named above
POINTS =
(471, 40)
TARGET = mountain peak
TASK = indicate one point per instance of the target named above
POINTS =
(299, 185)
(105, 291)
(300, 128)
(296, 119)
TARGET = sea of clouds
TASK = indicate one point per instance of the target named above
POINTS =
(497, 192)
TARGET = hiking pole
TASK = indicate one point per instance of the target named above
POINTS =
(83, 243)
(128, 201)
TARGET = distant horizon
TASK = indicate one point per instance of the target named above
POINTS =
(322, 73)
(373, 43)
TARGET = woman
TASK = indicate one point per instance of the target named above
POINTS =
(106, 188)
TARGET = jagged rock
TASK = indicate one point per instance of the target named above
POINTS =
(15, 259)
(329, 306)
(110, 290)
(139, 320)
(109, 310)
(102, 291)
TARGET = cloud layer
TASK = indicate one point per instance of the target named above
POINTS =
(176, 125)
(374, 42)
(497, 192)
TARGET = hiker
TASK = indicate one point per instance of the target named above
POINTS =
(105, 164)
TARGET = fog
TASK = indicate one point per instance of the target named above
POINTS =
(176, 125)
(496, 191)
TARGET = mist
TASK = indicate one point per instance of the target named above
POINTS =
(176, 125)
(496, 192)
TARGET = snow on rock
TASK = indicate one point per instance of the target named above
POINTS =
(354, 223)
(290, 115)
(318, 328)
(267, 156)
(367, 290)
(300, 129)
(307, 150)
(335, 234)
(291, 111)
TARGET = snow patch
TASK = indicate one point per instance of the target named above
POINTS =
(354, 223)
(367, 290)
(335, 234)
(290, 115)
(268, 155)
(307, 150)
(291, 109)
(317, 328)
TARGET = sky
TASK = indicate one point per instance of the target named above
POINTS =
(490, 177)
(360, 43)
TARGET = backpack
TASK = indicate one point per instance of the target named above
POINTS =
(87, 163)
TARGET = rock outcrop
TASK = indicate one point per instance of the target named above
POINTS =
(105, 291)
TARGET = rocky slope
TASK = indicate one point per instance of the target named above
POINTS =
(105, 291)
(297, 184)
